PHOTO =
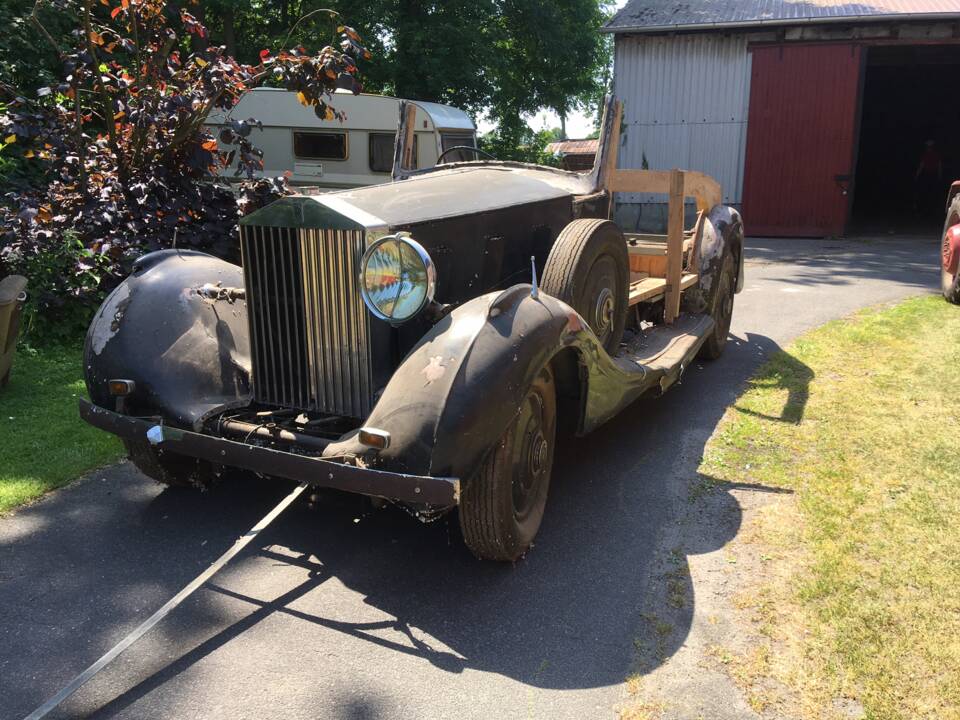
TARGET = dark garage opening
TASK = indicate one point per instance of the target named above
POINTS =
(909, 99)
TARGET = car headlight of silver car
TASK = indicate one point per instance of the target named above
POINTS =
(397, 278)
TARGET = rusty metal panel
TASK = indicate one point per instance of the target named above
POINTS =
(685, 106)
(662, 15)
(800, 146)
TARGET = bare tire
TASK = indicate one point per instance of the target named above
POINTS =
(721, 309)
(503, 504)
(169, 468)
(588, 269)
(950, 282)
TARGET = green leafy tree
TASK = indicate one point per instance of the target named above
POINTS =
(501, 58)
(127, 164)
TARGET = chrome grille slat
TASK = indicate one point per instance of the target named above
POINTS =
(309, 328)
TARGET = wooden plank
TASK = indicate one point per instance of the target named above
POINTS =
(614, 149)
(674, 247)
(647, 289)
(650, 288)
(702, 188)
(653, 265)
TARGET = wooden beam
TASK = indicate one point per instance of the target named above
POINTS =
(649, 288)
(613, 149)
(703, 188)
(674, 247)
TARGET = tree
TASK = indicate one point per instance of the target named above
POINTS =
(502, 58)
(119, 135)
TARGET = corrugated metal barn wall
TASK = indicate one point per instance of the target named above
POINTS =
(686, 101)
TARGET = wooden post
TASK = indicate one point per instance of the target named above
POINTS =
(613, 145)
(674, 247)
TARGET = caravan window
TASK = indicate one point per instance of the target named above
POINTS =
(320, 146)
(381, 152)
(449, 140)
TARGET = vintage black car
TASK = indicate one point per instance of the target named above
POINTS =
(425, 341)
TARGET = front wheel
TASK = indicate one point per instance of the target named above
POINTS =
(589, 269)
(950, 257)
(169, 468)
(503, 505)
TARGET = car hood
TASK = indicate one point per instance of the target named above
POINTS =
(451, 192)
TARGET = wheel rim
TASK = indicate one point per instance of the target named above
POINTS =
(947, 253)
(531, 456)
(603, 312)
(600, 302)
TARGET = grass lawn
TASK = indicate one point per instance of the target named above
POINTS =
(43, 443)
(860, 605)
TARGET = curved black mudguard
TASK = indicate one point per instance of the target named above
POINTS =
(462, 385)
(726, 236)
(165, 328)
(722, 233)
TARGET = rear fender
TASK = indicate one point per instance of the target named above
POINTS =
(187, 351)
(722, 234)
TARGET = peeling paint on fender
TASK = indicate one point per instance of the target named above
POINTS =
(114, 307)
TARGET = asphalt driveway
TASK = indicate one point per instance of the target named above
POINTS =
(341, 611)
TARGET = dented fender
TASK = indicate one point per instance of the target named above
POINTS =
(458, 390)
(186, 347)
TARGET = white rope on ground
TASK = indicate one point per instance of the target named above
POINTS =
(143, 629)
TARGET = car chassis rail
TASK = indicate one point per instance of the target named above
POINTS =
(315, 471)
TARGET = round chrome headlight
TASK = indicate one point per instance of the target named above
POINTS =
(397, 278)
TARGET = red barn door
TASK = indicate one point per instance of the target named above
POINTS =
(800, 139)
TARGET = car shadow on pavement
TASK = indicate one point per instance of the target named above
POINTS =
(572, 614)
(568, 616)
(849, 261)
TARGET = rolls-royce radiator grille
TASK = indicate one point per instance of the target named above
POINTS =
(309, 329)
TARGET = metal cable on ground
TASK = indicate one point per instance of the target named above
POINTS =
(173, 602)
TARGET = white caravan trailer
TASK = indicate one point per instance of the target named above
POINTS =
(357, 151)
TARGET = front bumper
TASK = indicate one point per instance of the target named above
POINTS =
(318, 472)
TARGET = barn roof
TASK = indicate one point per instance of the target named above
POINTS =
(573, 147)
(659, 15)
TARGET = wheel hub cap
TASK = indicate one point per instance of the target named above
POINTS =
(538, 454)
(603, 312)
(951, 250)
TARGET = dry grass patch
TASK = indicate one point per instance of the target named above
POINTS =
(857, 606)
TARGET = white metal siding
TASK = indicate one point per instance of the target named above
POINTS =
(685, 100)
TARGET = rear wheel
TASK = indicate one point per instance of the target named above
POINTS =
(588, 269)
(503, 504)
(169, 468)
(721, 309)
(950, 276)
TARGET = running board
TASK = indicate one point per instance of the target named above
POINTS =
(667, 349)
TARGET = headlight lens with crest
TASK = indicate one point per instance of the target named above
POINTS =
(397, 278)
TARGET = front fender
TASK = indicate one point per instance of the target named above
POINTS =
(461, 386)
(187, 352)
